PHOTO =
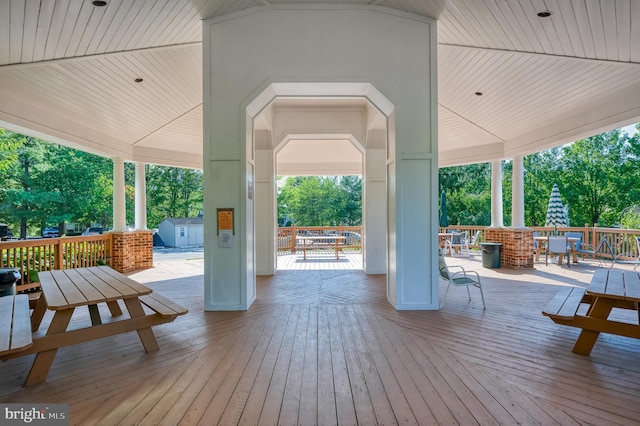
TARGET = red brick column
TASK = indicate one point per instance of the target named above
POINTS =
(131, 250)
(517, 246)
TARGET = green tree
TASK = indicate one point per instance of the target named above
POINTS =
(592, 178)
(321, 201)
(173, 192)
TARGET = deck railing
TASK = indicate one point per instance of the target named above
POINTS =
(45, 254)
(621, 241)
(287, 242)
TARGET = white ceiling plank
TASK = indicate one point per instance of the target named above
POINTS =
(81, 26)
(570, 23)
(125, 23)
(57, 22)
(121, 11)
(17, 29)
(504, 16)
(542, 27)
(610, 26)
(635, 32)
(102, 19)
(43, 29)
(557, 21)
(171, 13)
(525, 24)
(70, 20)
(597, 27)
(147, 19)
(623, 29)
(137, 22)
(5, 31)
(582, 18)
(31, 11)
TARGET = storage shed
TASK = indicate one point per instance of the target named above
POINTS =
(182, 232)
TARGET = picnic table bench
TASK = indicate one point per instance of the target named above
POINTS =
(65, 290)
(15, 325)
(609, 289)
(321, 242)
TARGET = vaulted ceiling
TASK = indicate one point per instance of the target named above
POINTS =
(510, 82)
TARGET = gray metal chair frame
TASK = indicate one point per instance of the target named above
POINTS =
(460, 278)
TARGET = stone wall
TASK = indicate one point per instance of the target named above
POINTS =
(517, 246)
(131, 250)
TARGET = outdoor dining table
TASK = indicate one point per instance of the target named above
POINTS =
(65, 290)
(310, 242)
(609, 289)
(572, 243)
(443, 237)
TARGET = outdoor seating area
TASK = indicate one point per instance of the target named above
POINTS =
(507, 364)
(65, 290)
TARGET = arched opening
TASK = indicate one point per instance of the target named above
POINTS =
(334, 129)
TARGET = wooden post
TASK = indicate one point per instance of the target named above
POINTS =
(294, 232)
(57, 260)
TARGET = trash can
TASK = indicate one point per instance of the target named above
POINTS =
(8, 279)
(491, 254)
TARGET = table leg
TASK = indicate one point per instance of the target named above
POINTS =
(94, 314)
(146, 335)
(38, 313)
(42, 362)
(114, 307)
(600, 308)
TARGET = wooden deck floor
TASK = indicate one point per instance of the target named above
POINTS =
(324, 347)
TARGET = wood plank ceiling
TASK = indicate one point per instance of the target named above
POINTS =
(68, 70)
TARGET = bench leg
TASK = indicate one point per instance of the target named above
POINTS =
(43, 361)
(601, 308)
(146, 335)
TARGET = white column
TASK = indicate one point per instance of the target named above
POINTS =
(517, 200)
(119, 207)
(375, 211)
(266, 220)
(140, 198)
(497, 220)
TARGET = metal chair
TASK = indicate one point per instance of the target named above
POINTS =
(559, 245)
(461, 278)
(460, 241)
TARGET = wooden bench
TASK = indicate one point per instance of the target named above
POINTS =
(162, 306)
(15, 324)
(565, 304)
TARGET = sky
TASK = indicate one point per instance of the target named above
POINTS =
(630, 129)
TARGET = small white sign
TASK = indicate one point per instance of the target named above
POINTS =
(225, 239)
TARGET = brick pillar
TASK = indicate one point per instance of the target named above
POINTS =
(131, 250)
(517, 246)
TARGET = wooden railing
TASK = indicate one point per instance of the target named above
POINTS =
(33, 256)
(287, 242)
(621, 240)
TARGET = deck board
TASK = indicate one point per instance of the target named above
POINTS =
(325, 347)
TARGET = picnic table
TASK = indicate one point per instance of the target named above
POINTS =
(572, 243)
(609, 289)
(315, 242)
(65, 290)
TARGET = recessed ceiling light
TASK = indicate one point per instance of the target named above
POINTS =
(138, 80)
(478, 93)
(544, 14)
(99, 3)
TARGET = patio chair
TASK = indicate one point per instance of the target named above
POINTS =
(537, 247)
(458, 241)
(460, 278)
(559, 245)
(632, 258)
(474, 240)
(580, 247)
